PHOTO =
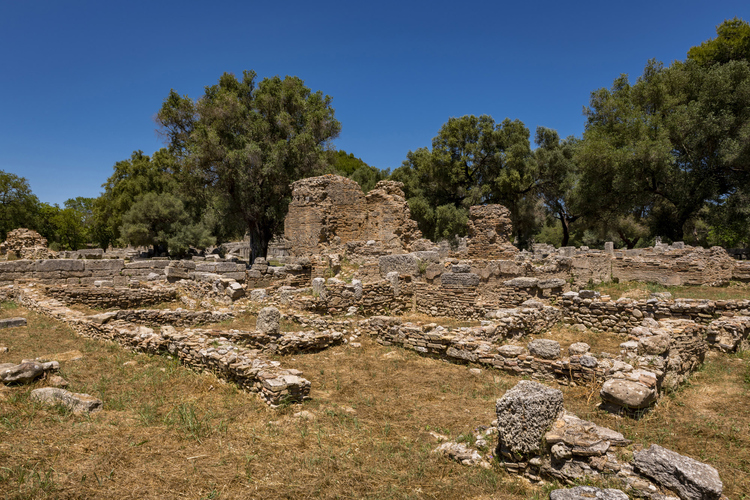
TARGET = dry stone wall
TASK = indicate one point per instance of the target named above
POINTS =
(623, 314)
(246, 367)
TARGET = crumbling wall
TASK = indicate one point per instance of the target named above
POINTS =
(25, 243)
(490, 233)
(623, 314)
(331, 211)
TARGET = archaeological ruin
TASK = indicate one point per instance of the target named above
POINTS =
(351, 265)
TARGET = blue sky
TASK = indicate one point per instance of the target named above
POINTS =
(81, 81)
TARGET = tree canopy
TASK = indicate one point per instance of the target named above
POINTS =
(247, 143)
(473, 161)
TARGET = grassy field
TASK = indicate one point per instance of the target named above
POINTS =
(169, 432)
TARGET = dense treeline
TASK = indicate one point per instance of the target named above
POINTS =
(667, 155)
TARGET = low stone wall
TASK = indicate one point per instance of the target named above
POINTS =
(337, 297)
(55, 271)
(244, 366)
(623, 314)
(283, 343)
(106, 298)
(471, 345)
(174, 317)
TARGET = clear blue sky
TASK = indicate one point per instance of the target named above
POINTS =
(81, 80)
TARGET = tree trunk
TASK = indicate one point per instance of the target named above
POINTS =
(258, 243)
(566, 231)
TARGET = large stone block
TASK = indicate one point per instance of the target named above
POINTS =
(544, 348)
(62, 265)
(690, 479)
(78, 403)
(461, 279)
(268, 320)
(112, 265)
(402, 264)
(524, 414)
(628, 393)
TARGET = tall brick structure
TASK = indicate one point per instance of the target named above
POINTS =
(490, 232)
(330, 211)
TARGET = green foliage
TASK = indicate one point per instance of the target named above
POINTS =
(654, 153)
(472, 161)
(18, 206)
(245, 144)
(348, 165)
(731, 44)
(131, 179)
(558, 174)
(161, 220)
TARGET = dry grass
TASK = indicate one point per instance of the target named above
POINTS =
(639, 290)
(168, 432)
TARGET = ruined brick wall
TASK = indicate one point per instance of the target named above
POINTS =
(330, 211)
(490, 233)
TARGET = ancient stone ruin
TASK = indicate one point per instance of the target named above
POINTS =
(25, 244)
(330, 212)
(356, 265)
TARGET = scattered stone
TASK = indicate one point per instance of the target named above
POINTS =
(690, 479)
(511, 351)
(12, 322)
(627, 393)
(304, 415)
(578, 348)
(258, 295)
(57, 381)
(461, 454)
(26, 372)
(524, 414)
(78, 403)
(587, 493)
(588, 294)
(268, 320)
(234, 291)
(475, 371)
(3, 350)
(544, 348)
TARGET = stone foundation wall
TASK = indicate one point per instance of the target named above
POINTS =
(174, 317)
(246, 367)
(623, 314)
(106, 298)
(336, 297)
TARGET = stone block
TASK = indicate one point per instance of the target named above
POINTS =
(544, 348)
(627, 393)
(268, 320)
(110, 265)
(522, 282)
(78, 403)
(401, 264)
(59, 265)
(461, 279)
(11, 322)
(176, 273)
(587, 493)
(690, 479)
(524, 414)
